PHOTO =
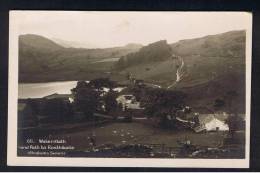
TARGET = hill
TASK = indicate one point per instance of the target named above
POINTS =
(31, 41)
(155, 52)
(229, 44)
(204, 59)
(150, 62)
(43, 60)
(72, 44)
(210, 66)
(213, 65)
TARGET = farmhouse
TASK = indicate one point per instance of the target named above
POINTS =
(209, 122)
(128, 102)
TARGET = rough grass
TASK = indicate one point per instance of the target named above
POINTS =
(122, 134)
(134, 133)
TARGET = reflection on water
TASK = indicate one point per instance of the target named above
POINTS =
(108, 60)
(37, 90)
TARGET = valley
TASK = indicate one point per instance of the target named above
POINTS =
(205, 68)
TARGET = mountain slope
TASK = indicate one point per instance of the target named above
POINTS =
(213, 66)
(31, 41)
(205, 59)
(150, 63)
(42, 60)
(221, 45)
(73, 44)
(155, 52)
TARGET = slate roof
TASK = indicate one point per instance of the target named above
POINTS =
(205, 118)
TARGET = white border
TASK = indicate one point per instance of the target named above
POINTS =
(13, 160)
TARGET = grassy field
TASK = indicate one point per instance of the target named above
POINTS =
(132, 133)
(125, 134)
(129, 133)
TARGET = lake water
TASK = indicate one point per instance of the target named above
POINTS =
(37, 90)
(108, 60)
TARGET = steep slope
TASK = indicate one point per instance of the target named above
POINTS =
(155, 52)
(42, 60)
(213, 66)
(31, 41)
(153, 63)
(204, 59)
(212, 57)
(229, 44)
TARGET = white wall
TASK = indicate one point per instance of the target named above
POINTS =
(214, 123)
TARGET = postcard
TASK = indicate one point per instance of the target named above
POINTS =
(129, 89)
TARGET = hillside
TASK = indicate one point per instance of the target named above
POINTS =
(149, 63)
(229, 44)
(155, 52)
(30, 41)
(213, 66)
(204, 58)
(72, 44)
(42, 60)
(215, 69)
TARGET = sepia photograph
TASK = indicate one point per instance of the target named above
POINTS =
(118, 88)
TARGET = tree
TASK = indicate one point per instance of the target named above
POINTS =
(233, 120)
(57, 109)
(86, 99)
(138, 91)
(219, 103)
(234, 123)
(230, 96)
(162, 103)
(110, 101)
(80, 84)
(102, 82)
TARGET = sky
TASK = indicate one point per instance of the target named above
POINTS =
(109, 29)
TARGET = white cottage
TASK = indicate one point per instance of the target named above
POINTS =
(209, 122)
(128, 102)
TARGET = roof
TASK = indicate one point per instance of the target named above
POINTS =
(56, 95)
(205, 122)
(221, 117)
(205, 118)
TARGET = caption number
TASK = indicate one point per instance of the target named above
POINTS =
(29, 141)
